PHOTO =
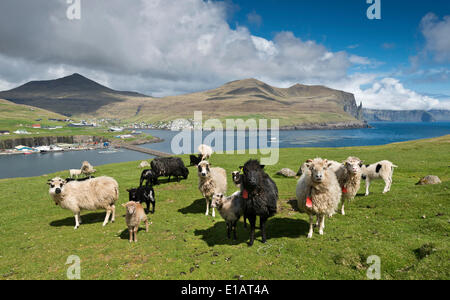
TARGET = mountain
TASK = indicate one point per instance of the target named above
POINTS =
(71, 95)
(376, 115)
(250, 98)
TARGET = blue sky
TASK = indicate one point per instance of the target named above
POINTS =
(170, 47)
(342, 25)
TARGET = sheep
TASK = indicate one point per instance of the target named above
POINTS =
(349, 177)
(195, 159)
(93, 194)
(334, 167)
(143, 194)
(380, 170)
(230, 208)
(260, 194)
(135, 215)
(74, 173)
(318, 192)
(87, 169)
(144, 164)
(169, 166)
(236, 177)
(211, 181)
(205, 151)
(150, 178)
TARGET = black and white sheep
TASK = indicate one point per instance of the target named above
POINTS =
(143, 194)
(380, 170)
(168, 167)
(93, 194)
(260, 194)
(150, 178)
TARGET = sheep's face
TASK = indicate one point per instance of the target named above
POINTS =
(130, 207)
(353, 165)
(253, 174)
(236, 176)
(217, 200)
(56, 186)
(204, 169)
(318, 168)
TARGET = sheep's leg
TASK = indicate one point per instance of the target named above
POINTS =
(311, 226)
(317, 221)
(77, 222)
(342, 208)
(322, 224)
(146, 225)
(135, 233)
(213, 212)
(367, 186)
(207, 206)
(108, 213)
(252, 220)
(234, 230)
(228, 230)
(130, 230)
(113, 218)
(262, 224)
(386, 186)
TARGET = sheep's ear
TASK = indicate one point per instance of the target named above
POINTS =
(49, 181)
(262, 166)
(329, 165)
(309, 161)
(124, 204)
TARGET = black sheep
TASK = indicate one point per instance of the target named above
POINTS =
(260, 195)
(169, 166)
(143, 194)
(149, 176)
(195, 160)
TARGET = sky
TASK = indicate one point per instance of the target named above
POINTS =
(170, 47)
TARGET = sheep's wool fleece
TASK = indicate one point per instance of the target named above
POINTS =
(216, 182)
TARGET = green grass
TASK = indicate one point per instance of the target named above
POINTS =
(36, 237)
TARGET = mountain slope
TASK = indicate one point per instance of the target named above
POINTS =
(377, 115)
(71, 95)
(249, 98)
(78, 96)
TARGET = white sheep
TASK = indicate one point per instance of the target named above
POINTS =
(87, 169)
(205, 151)
(74, 173)
(211, 181)
(230, 208)
(380, 170)
(334, 166)
(92, 194)
(349, 177)
(318, 192)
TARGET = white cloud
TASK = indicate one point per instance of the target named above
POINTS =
(166, 47)
(437, 33)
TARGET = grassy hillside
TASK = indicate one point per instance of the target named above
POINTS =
(20, 117)
(36, 237)
(243, 99)
(81, 97)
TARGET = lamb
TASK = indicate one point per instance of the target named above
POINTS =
(87, 169)
(380, 170)
(150, 178)
(195, 159)
(205, 151)
(211, 181)
(144, 164)
(349, 177)
(74, 173)
(143, 194)
(93, 194)
(260, 194)
(169, 166)
(230, 208)
(135, 215)
(318, 192)
(237, 179)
